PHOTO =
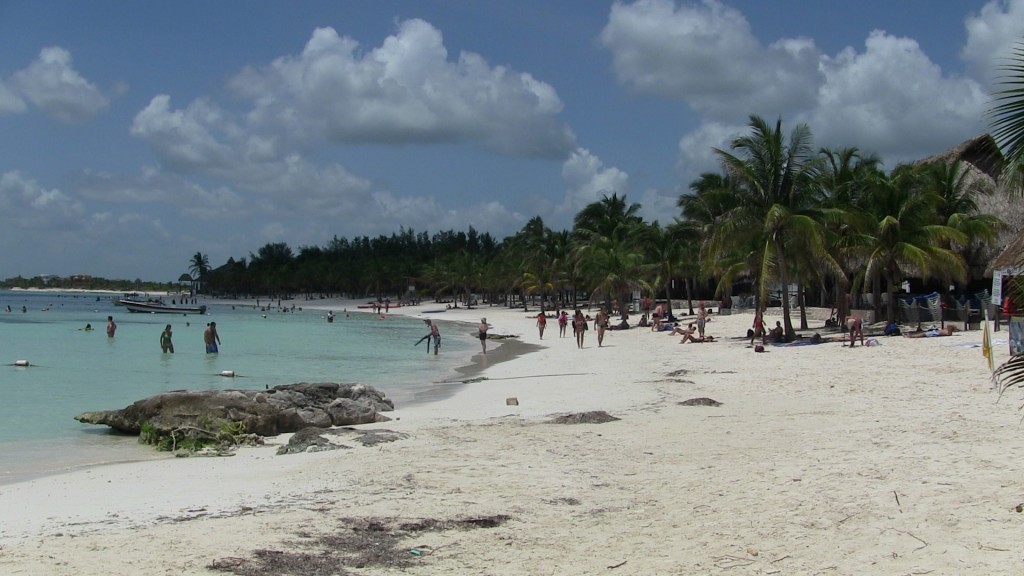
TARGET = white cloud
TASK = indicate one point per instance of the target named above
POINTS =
(51, 84)
(991, 36)
(405, 91)
(696, 149)
(162, 190)
(27, 205)
(891, 99)
(185, 140)
(700, 53)
(587, 180)
(10, 103)
(888, 98)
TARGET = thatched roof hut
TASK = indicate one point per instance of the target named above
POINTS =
(984, 163)
(1011, 257)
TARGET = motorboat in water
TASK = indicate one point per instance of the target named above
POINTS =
(157, 307)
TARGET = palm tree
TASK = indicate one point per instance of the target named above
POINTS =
(1007, 119)
(775, 178)
(959, 191)
(713, 197)
(613, 268)
(606, 255)
(666, 249)
(199, 266)
(844, 184)
(906, 236)
(607, 216)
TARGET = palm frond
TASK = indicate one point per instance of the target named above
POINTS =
(1009, 374)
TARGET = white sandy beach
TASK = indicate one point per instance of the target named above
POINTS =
(894, 459)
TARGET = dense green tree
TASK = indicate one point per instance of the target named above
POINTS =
(906, 236)
(775, 178)
(199, 266)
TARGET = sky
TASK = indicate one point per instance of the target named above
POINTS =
(135, 134)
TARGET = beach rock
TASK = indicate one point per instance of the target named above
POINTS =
(700, 402)
(286, 408)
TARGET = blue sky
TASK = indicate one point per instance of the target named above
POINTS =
(135, 134)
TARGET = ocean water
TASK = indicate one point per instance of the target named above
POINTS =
(73, 371)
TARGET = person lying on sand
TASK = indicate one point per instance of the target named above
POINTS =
(934, 332)
(677, 330)
(689, 337)
(661, 326)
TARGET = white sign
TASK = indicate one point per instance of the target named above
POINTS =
(997, 287)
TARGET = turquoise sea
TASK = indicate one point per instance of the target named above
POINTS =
(72, 370)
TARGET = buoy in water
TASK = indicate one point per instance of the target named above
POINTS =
(21, 363)
(227, 373)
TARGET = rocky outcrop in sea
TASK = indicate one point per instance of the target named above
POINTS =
(281, 409)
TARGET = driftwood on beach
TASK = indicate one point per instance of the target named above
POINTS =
(281, 409)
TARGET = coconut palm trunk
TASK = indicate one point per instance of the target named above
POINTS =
(784, 279)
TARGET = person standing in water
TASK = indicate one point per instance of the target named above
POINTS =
(435, 335)
(165, 341)
(111, 327)
(212, 338)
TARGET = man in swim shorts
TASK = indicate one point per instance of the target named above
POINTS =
(211, 338)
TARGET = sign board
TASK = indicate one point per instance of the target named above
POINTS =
(997, 287)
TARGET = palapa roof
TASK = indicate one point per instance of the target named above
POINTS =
(984, 162)
(1012, 256)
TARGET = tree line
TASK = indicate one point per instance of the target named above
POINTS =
(831, 222)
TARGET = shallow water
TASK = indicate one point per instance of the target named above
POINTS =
(73, 371)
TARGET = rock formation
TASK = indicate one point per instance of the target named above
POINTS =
(286, 408)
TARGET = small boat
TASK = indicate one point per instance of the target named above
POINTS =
(129, 297)
(161, 308)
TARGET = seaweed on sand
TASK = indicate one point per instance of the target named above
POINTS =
(359, 543)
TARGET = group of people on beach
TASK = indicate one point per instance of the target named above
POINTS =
(580, 325)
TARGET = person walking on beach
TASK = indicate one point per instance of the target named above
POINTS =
(600, 324)
(212, 338)
(165, 340)
(483, 334)
(579, 327)
(542, 322)
(111, 327)
(563, 321)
